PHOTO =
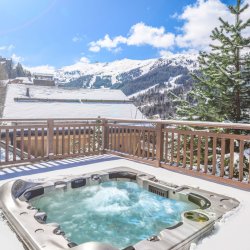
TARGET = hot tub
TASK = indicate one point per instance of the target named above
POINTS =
(119, 208)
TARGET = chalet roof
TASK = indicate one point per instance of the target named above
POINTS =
(25, 79)
(43, 74)
(55, 102)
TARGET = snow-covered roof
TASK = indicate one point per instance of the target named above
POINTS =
(42, 74)
(32, 110)
(26, 80)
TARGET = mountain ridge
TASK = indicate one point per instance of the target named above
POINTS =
(147, 82)
(96, 75)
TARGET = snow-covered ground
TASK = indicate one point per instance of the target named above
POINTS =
(2, 155)
(230, 233)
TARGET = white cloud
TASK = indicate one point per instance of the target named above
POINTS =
(77, 38)
(16, 58)
(199, 20)
(117, 50)
(107, 43)
(78, 65)
(139, 34)
(245, 16)
(84, 60)
(94, 48)
(165, 53)
(41, 69)
(7, 47)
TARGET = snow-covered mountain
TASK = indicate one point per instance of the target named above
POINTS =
(129, 75)
(147, 82)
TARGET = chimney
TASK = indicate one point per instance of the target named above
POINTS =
(28, 92)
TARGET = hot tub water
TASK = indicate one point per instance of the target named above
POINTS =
(118, 213)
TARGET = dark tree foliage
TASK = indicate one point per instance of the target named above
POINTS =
(160, 101)
(222, 91)
(10, 71)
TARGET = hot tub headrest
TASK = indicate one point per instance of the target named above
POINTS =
(129, 248)
(33, 192)
(122, 174)
(20, 186)
(79, 182)
(199, 200)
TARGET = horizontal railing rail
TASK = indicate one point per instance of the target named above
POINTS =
(216, 151)
(184, 123)
(243, 126)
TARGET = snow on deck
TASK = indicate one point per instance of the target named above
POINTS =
(3, 155)
(230, 233)
(14, 109)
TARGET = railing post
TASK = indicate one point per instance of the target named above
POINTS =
(159, 144)
(105, 136)
(50, 139)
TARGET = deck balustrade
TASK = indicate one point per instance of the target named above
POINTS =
(216, 151)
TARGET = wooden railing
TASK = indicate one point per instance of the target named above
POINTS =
(217, 151)
(34, 140)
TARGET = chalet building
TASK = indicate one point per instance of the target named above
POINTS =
(4, 60)
(5, 67)
(44, 79)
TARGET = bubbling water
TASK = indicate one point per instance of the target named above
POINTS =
(118, 213)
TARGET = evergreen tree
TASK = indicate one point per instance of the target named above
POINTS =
(19, 70)
(222, 89)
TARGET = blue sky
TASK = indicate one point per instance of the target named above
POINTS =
(61, 32)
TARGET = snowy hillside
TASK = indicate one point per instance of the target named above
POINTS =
(120, 71)
(113, 74)
(146, 81)
(112, 69)
(161, 100)
(166, 86)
